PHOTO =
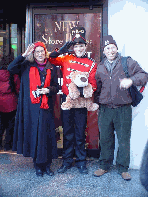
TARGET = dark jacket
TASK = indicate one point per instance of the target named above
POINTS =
(144, 168)
(108, 84)
(8, 98)
(34, 134)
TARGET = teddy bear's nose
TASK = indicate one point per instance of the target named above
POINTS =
(83, 79)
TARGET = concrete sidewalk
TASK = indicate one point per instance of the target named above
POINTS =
(18, 179)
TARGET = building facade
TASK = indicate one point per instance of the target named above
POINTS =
(51, 23)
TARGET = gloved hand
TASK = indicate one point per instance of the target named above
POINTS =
(65, 47)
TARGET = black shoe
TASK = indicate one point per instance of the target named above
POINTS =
(63, 169)
(1, 148)
(48, 171)
(83, 170)
(39, 172)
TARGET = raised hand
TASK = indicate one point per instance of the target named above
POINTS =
(65, 47)
(29, 50)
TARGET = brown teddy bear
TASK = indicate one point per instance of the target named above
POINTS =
(79, 80)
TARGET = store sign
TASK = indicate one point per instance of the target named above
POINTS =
(55, 29)
(61, 26)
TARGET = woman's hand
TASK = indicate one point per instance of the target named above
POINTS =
(29, 50)
(43, 91)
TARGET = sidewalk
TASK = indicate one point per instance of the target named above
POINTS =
(18, 179)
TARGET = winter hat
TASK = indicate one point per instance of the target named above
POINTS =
(78, 35)
(41, 44)
(108, 40)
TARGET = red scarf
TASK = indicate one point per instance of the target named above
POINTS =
(35, 80)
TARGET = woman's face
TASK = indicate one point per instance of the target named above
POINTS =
(39, 54)
(79, 49)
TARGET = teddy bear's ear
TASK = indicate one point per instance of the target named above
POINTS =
(87, 74)
(72, 73)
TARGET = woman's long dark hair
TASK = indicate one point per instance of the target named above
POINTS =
(6, 60)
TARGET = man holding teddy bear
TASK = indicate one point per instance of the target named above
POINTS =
(74, 119)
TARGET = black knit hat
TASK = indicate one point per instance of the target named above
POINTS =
(78, 35)
(108, 40)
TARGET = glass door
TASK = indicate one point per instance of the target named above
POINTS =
(53, 28)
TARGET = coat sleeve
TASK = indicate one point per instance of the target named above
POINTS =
(58, 61)
(54, 86)
(17, 66)
(92, 79)
(99, 86)
(17, 83)
(137, 74)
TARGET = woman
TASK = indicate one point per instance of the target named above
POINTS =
(9, 89)
(34, 134)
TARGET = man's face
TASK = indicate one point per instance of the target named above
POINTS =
(39, 54)
(79, 49)
(110, 52)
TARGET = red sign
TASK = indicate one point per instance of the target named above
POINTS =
(54, 30)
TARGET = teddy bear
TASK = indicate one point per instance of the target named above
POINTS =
(80, 92)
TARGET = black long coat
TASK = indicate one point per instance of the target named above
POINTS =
(34, 134)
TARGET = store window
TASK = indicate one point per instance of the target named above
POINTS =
(8, 41)
(53, 27)
(14, 39)
(1, 47)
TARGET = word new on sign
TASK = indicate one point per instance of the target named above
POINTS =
(62, 25)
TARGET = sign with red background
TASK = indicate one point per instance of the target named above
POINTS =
(54, 30)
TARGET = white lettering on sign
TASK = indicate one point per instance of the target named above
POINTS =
(44, 39)
(50, 41)
(89, 53)
(62, 25)
(77, 31)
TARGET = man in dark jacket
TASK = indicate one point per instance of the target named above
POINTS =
(115, 107)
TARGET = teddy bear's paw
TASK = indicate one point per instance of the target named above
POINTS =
(93, 107)
(87, 93)
(65, 106)
(73, 95)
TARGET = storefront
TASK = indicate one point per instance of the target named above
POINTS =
(52, 26)
(51, 22)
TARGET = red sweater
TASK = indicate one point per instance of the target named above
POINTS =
(8, 99)
(72, 62)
